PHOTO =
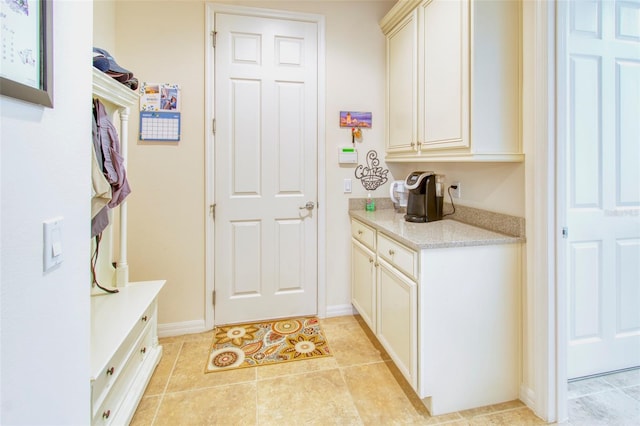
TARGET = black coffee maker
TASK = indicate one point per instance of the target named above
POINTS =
(424, 204)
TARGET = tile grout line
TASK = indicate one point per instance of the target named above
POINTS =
(353, 401)
(506, 410)
(209, 387)
(362, 364)
(594, 393)
(257, 413)
(166, 385)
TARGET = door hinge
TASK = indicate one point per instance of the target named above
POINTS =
(212, 210)
(213, 298)
(565, 232)
(213, 126)
(213, 38)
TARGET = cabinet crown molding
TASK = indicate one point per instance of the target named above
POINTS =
(397, 13)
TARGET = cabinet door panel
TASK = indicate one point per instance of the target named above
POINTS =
(397, 320)
(446, 75)
(402, 69)
(363, 286)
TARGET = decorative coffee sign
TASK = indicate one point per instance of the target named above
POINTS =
(372, 175)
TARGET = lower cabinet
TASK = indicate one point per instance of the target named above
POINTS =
(124, 350)
(397, 320)
(363, 277)
(449, 318)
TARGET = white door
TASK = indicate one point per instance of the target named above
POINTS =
(603, 182)
(265, 168)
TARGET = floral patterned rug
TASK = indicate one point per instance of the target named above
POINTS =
(265, 343)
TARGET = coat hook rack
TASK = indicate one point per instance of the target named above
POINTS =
(356, 135)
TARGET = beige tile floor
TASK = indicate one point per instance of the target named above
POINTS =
(359, 385)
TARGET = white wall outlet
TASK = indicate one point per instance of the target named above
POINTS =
(457, 192)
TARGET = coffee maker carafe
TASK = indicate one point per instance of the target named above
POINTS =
(424, 204)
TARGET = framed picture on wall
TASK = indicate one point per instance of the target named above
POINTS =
(26, 62)
(355, 119)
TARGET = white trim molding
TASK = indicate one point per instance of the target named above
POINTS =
(180, 328)
(339, 311)
(562, 315)
(539, 390)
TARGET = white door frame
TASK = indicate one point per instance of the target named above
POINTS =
(545, 294)
(562, 317)
(212, 8)
(547, 249)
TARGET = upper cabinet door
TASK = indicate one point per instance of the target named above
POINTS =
(462, 100)
(402, 93)
(445, 69)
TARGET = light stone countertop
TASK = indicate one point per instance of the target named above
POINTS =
(440, 234)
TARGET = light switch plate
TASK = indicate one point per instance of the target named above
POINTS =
(347, 186)
(52, 243)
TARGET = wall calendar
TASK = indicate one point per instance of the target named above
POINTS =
(160, 112)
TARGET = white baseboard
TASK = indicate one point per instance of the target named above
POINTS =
(179, 328)
(198, 326)
(340, 310)
(528, 396)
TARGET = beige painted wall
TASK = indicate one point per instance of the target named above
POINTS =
(498, 187)
(163, 42)
(167, 209)
(104, 25)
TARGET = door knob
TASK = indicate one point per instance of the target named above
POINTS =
(309, 206)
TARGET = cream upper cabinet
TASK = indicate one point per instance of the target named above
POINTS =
(402, 96)
(453, 81)
(445, 84)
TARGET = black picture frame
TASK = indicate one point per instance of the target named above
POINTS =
(43, 94)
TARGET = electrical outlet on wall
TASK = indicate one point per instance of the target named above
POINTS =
(457, 192)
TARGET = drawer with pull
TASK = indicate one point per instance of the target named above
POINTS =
(104, 381)
(398, 255)
(105, 412)
(363, 233)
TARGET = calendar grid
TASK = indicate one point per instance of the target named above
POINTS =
(160, 126)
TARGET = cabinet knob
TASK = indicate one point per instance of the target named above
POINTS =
(106, 414)
(110, 371)
(370, 260)
(144, 318)
(391, 252)
(143, 350)
(359, 231)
